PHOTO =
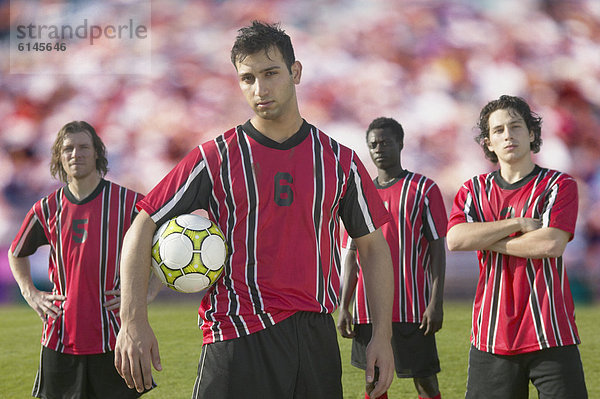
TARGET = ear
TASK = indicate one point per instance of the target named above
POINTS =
(486, 142)
(296, 72)
(531, 136)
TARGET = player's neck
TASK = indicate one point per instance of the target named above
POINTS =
(513, 172)
(386, 176)
(280, 129)
(81, 188)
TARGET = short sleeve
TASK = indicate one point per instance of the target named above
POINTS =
(30, 237)
(435, 219)
(463, 208)
(361, 208)
(561, 205)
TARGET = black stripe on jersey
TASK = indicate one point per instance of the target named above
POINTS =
(535, 306)
(317, 209)
(59, 261)
(548, 276)
(334, 222)
(470, 210)
(427, 285)
(120, 228)
(214, 210)
(114, 323)
(493, 317)
(530, 201)
(479, 199)
(402, 277)
(488, 185)
(560, 269)
(213, 204)
(229, 203)
(104, 232)
(252, 218)
(488, 271)
(549, 197)
(430, 230)
(414, 259)
(534, 201)
(112, 319)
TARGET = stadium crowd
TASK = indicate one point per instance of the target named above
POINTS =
(429, 64)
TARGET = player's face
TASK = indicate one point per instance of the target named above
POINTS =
(268, 85)
(78, 155)
(509, 136)
(384, 148)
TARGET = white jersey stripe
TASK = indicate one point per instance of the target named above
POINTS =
(179, 194)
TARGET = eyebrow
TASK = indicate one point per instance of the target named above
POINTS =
(271, 68)
(511, 121)
(267, 69)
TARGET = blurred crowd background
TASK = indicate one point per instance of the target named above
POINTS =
(431, 65)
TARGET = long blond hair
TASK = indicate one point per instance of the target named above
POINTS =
(56, 168)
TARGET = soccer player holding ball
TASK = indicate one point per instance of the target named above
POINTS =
(519, 219)
(84, 223)
(416, 240)
(277, 187)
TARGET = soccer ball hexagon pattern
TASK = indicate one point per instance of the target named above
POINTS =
(188, 253)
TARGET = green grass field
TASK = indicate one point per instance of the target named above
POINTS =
(175, 326)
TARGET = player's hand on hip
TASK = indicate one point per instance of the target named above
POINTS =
(136, 352)
(115, 302)
(344, 324)
(380, 355)
(44, 303)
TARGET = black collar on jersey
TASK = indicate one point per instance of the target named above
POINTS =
(103, 183)
(293, 141)
(395, 180)
(503, 184)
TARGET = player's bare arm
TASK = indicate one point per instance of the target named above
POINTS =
(478, 236)
(42, 302)
(376, 263)
(547, 242)
(433, 316)
(136, 350)
(345, 323)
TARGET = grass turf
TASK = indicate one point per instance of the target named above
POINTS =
(174, 323)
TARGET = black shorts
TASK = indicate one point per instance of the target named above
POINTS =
(415, 354)
(66, 376)
(555, 372)
(298, 357)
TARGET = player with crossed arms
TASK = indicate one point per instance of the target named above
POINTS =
(519, 219)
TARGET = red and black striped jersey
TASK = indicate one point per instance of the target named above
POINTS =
(279, 206)
(418, 217)
(521, 304)
(85, 239)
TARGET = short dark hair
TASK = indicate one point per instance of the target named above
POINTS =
(532, 120)
(262, 36)
(389, 124)
(56, 168)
